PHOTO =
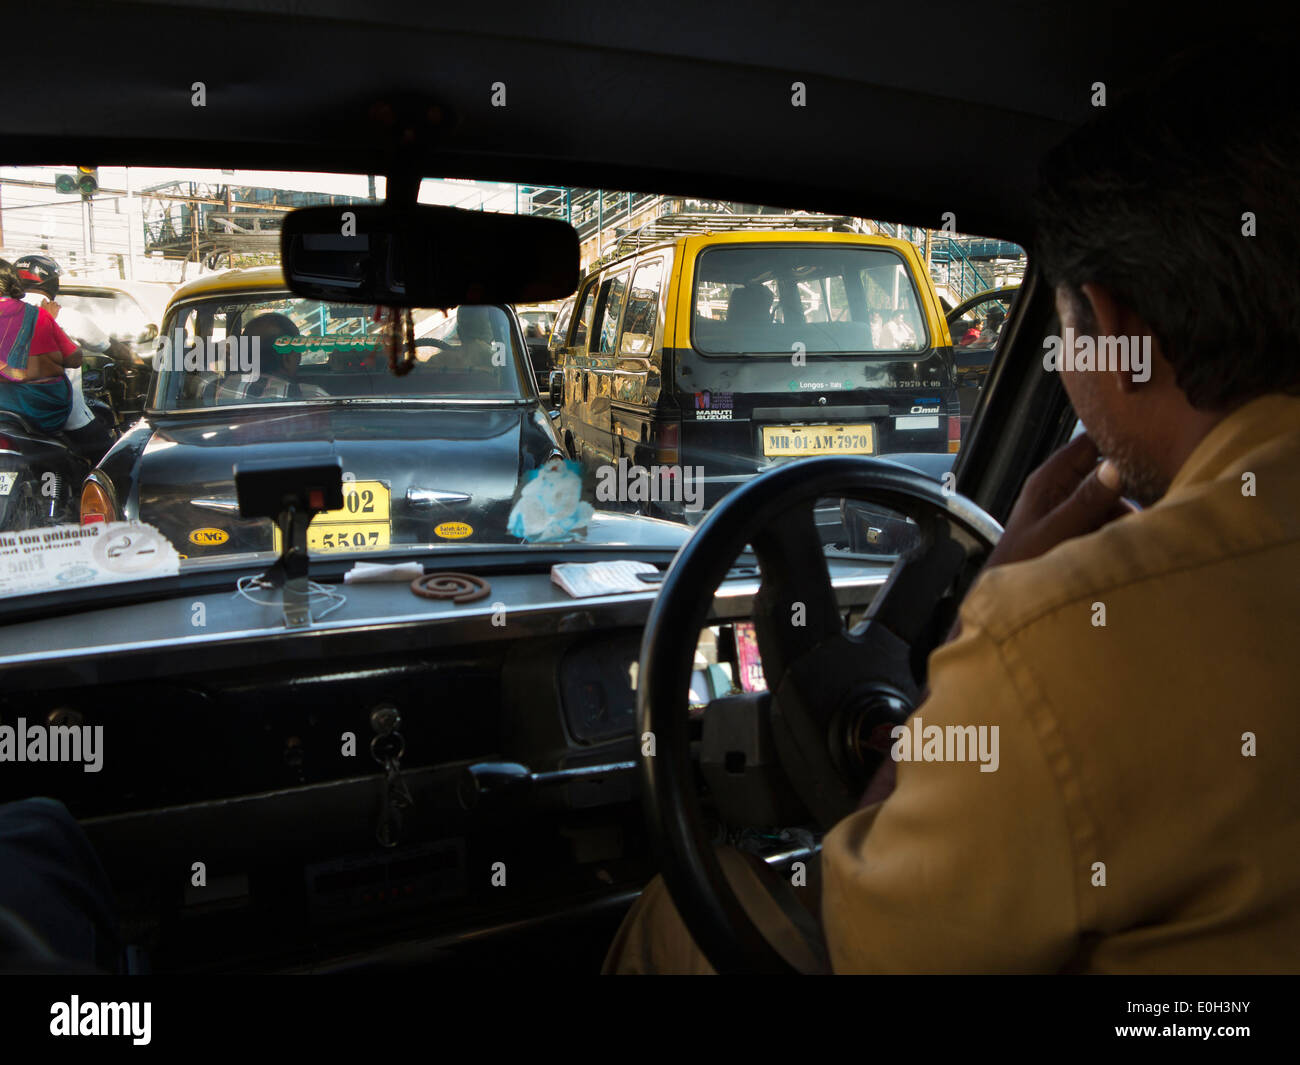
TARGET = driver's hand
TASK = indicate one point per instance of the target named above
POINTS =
(1069, 495)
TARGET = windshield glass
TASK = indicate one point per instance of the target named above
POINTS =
(275, 347)
(116, 313)
(762, 299)
(705, 343)
(537, 323)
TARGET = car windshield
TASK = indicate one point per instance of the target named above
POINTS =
(537, 323)
(117, 313)
(274, 347)
(762, 299)
(706, 342)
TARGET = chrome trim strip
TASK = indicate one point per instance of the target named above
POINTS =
(222, 505)
(425, 497)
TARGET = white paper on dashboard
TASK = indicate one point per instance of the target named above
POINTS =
(582, 579)
(367, 572)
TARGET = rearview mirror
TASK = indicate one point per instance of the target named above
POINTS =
(425, 256)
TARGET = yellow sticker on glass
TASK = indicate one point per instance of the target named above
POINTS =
(453, 530)
(209, 537)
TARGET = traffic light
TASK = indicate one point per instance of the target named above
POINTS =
(84, 181)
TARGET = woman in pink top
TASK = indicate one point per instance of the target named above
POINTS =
(34, 352)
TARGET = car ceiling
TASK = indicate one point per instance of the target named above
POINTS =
(912, 110)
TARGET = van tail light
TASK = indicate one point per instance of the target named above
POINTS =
(95, 505)
(6, 444)
(954, 434)
(667, 442)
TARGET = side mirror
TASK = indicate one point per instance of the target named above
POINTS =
(425, 256)
(556, 382)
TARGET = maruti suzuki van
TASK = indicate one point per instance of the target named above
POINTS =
(734, 350)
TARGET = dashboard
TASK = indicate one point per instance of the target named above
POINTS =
(260, 752)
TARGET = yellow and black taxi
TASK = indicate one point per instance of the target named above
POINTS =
(246, 370)
(737, 343)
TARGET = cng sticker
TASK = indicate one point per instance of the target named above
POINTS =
(209, 537)
(453, 530)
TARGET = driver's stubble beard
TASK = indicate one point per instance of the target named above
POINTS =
(1141, 478)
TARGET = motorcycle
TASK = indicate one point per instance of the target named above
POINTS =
(119, 381)
(41, 475)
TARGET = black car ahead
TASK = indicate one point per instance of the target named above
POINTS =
(246, 370)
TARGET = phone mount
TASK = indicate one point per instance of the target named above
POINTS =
(290, 493)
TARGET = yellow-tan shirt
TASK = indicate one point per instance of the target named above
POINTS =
(1144, 815)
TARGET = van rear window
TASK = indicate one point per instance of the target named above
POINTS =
(766, 299)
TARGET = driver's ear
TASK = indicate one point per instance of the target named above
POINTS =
(1112, 317)
(1104, 309)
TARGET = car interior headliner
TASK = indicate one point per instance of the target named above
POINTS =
(912, 109)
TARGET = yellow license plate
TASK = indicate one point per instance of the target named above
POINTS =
(354, 536)
(344, 536)
(362, 501)
(363, 523)
(781, 441)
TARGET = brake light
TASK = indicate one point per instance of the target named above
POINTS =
(954, 435)
(5, 443)
(95, 505)
(667, 442)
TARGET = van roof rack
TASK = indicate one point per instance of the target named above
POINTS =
(671, 226)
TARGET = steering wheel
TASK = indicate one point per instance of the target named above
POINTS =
(833, 695)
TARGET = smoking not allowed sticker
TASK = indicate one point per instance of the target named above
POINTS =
(42, 560)
(133, 550)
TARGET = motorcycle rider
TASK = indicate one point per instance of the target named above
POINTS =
(34, 354)
(39, 274)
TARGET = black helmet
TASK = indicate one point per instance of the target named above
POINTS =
(39, 272)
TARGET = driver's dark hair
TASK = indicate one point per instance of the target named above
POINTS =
(275, 322)
(1155, 199)
(271, 326)
(11, 284)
